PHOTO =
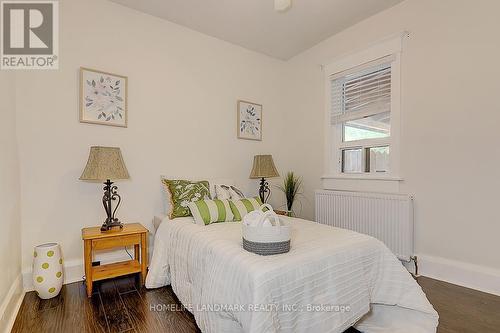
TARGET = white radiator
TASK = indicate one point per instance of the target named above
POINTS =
(387, 217)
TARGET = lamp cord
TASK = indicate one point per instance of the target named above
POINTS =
(128, 252)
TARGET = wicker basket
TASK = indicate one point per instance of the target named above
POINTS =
(267, 240)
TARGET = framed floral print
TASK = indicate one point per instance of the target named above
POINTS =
(103, 98)
(249, 121)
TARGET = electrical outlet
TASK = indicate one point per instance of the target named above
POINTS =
(96, 263)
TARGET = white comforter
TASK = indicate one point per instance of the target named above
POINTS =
(329, 281)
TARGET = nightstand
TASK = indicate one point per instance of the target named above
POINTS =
(95, 239)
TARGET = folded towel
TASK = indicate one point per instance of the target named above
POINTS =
(252, 219)
(267, 223)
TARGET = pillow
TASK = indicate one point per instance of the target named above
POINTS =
(226, 192)
(166, 193)
(244, 206)
(211, 211)
(183, 192)
(235, 193)
(222, 192)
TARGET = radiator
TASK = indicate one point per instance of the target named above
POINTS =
(387, 217)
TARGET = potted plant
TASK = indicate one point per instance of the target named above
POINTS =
(292, 187)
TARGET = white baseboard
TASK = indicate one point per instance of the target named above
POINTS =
(11, 304)
(463, 274)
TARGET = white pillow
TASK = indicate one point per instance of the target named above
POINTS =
(215, 181)
(228, 192)
(222, 192)
(235, 193)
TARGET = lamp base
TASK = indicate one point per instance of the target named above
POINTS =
(110, 194)
(109, 224)
(264, 190)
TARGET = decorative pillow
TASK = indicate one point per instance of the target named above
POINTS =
(226, 192)
(212, 181)
(222, 192)
(211, 211)
(235, 193)
(182, 193)
(244, 206)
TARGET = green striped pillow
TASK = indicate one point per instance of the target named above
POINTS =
(211, 211)
(244, 206)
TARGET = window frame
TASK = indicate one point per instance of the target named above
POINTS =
(388, 48)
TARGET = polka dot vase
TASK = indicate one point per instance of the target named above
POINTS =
(47, 270)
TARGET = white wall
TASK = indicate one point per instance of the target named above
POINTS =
(183, 89)
(450, 118)
(10, 219)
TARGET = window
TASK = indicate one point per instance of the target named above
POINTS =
(361, 117)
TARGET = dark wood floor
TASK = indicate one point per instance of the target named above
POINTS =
(461, 309)
(117, 306)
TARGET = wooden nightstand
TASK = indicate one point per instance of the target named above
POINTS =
(95, 239)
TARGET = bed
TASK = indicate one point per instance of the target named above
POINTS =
(330, 280)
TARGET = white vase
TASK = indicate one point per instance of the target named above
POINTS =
(47, 270)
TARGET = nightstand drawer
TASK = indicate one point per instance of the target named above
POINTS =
(110, 242)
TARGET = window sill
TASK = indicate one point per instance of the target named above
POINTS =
(362, 183)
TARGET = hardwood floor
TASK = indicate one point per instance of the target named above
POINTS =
(117, 306)
(461, 309)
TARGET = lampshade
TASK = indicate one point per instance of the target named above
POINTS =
(105, 163)
(263, 167)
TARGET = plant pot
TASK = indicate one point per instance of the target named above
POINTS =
(47, 270)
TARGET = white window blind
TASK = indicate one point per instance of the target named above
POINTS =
(362, 92)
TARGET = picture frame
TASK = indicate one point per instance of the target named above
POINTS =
(103, 98)
(249, 120)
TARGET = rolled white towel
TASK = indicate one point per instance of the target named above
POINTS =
(252, 218)
(267, 223)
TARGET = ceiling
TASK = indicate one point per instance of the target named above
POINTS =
(255, 25)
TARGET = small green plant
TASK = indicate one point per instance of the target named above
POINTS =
(292, 187)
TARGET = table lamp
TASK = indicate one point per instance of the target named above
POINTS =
(263, 167)
(104, 164)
